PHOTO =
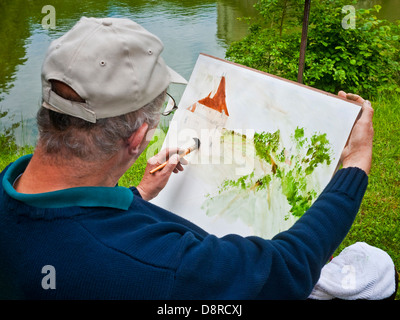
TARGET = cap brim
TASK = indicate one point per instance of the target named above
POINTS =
(176, 77)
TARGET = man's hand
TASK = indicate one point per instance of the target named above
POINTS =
(153, 183)
(358, 150)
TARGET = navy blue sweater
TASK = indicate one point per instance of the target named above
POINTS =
(108, 243)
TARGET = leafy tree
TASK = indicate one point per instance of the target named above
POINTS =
(280, 13)
(364, 60)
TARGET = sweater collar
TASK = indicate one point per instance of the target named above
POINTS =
(112, 197)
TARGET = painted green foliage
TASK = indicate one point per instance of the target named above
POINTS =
(292, 168)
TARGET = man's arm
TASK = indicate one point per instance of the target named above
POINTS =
(289, 265)
(358, 151)
(285, 267)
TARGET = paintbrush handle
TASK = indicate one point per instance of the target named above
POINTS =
(188, 150)
(159, 167)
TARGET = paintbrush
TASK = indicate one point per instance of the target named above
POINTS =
(195, 146)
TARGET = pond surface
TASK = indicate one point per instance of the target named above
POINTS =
(186, 27)
(390, 8)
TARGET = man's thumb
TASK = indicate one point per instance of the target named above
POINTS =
(172, 162)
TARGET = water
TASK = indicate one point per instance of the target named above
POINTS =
(390, 8)
(186, 27)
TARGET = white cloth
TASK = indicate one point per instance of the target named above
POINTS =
(360, 271)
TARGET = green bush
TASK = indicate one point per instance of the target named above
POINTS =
(363, 60)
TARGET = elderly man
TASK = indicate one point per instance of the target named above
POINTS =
(68, 232)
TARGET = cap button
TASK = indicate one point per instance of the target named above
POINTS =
(107, 23)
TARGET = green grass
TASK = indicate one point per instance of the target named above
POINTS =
(378, 222)
(134, 175)
(9, 151)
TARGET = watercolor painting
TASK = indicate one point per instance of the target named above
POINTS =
(268, 148)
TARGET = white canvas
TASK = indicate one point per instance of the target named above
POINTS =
(248, 177)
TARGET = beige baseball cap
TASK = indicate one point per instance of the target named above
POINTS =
(114, 64)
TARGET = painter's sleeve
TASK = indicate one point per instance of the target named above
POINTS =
(286, 267)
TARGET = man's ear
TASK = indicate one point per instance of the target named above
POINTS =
(135, 141)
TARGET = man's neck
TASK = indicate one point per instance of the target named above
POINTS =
(46, 173)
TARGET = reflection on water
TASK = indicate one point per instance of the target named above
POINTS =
(187, 28)
(390, 8)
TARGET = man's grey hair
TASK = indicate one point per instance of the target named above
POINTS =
(67, 136)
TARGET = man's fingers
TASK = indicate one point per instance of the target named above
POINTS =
(350, 96)
(342, 94)
(184, 161)
(172, 164)
(367, 109)
(162, 156)
(153, 161)
(166, 154)
(179, 167)
(367, 113)
(354, 97)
